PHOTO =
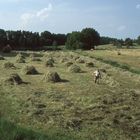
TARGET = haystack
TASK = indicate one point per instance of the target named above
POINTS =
(29, 70)
(2, 58)
(52, 77)
(49, 63)
(89, 64)
(68, 64)
(74, 69)
(63, 60)
(13, 79)
(80, 60)
(8, 65)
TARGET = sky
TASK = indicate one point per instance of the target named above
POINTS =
(113, 18)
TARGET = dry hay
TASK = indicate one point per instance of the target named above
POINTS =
(49, 63)
(63, 60)
(29, 70)
(76, 57)
(80, 60)
(89, 64)
(2, 58)
(20, 60)
(51, 77)
(35, 59)
(32, 55)
(68, 64)
(19, 55)
(118, 53)
(13, 79)
(74, 69)
(8, 65)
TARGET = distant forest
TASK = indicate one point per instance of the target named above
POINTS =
(88, 38)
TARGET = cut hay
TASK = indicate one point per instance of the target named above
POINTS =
(74, 69)
(68, 64)
(35, 59)
(20, 60)
(29, 70)
(13, 79)
(52, 77)
(2, 58)
(63, 60)
(19, 55)
(49, 63)
(80, 60)
(89, 64)
(8, 65)
(118, 53)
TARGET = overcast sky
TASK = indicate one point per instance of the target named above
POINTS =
(114, 18)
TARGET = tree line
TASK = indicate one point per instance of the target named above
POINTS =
(86, 39)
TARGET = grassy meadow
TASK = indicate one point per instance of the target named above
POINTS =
(75, 108)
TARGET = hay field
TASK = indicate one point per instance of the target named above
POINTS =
(76, 105)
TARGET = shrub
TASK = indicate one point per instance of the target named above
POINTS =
(29, 70)
(52, 77)
(74, 69)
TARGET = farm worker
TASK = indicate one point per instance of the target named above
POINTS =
(97, 76)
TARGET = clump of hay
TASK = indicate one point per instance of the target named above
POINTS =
(49, 63)
(29, 70)
(19, 55)
(32, 55)
(89, 64)
(52, 77)
(35, 59)
(2, 58)
(68, 64)
(8, 65)
(63, 60)
(80, 60)
(76, 57)
(74, 69)
(118, 53)
(14, 79)
(20, 60)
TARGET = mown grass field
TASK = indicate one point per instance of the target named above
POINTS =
(75, 108)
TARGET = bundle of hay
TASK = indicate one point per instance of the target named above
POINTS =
(118, 53)
(68, 64)
(2, 58)
(8, 65)
(63, 60)
(49, 63)
(29, 70)
(19, 55)
(13, 79)
(80, 60)
(32, 55)
(52, 77)
(76, 57)
(74, 69)
(20, 60)
(89, 64)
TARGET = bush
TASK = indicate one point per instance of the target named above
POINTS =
(52, 77)
(74, 69)
(7, 49)
(29, 70)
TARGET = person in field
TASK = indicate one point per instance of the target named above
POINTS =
(97, 75)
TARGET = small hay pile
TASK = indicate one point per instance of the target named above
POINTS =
(29, 70)
(63, 60)
(49, 63)
(80, 60)
(52, 77)
(74, 69)
(20, 58)
(13, 79)
(2, 58)
(89, 64)
(8, 65)
(118, 53)
(68, 64)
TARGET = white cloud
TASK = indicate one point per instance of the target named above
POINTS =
(41, 15)
(138, 6)
(121, 28)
